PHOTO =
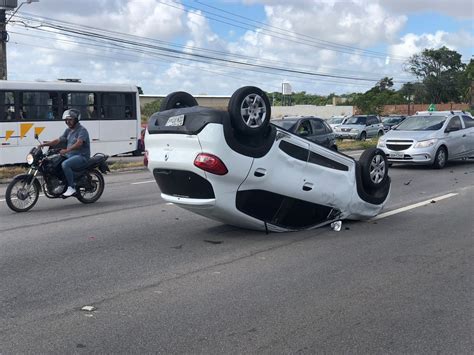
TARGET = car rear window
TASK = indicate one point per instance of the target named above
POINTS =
(285, 124)
(356, 120)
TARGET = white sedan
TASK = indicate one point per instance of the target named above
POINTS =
(236, 167)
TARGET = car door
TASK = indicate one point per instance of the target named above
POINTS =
(469, 135)
(372, 126)
(328, 183)
(268, 192)
(320, 135)
(454, 138)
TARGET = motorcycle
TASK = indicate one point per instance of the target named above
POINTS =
(45, 173)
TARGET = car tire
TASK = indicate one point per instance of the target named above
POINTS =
(380, 134)
(441, 158)
(249, 111)
(178, 99)
(374, 168)
(334, 147)
(363, 136)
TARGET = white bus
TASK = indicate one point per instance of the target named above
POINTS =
(111, 114)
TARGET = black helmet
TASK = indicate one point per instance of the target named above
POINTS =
(72, 113)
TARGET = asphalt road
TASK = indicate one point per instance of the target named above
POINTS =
(164, 280)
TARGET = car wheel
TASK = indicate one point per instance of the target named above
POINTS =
(380, 134)
(374, 167)
(178, 99)
(441, 158)
(334, 147)
(249, 110)
(363, 136)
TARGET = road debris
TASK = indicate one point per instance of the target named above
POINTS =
(336, 226)
(88, 309)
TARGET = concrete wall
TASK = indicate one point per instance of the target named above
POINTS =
(221, 102)
(403, 109)
(311, 110)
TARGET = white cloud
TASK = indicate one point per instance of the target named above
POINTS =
(312, 26)
(412, 43)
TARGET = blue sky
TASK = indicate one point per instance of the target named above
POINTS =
(353, 43)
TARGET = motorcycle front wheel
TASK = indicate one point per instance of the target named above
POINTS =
(94, 188)
(21, 195)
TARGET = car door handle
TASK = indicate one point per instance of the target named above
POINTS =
(260, 172)
(307, 186)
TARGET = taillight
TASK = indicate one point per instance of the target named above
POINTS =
(210, 163)
(145, 158)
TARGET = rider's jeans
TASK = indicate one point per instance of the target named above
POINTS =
(75, 162)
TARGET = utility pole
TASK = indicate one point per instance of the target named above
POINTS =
(3, 45)
(4, 6)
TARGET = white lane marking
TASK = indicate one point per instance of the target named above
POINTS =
(142, 182)
(410, 207)
(3, 200)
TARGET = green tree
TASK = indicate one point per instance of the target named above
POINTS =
(149, 109)
(385, 84)
(440, 71)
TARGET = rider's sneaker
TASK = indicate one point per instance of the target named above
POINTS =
(69, 192)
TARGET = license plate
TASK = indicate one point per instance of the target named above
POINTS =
(397, 155)
(175, 121)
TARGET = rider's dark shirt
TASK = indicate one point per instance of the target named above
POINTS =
(72, 135)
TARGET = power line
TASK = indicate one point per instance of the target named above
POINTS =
(189, 55)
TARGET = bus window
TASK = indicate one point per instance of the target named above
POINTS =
(117, 106)
(7, 110)
(38, 105)
(85, 102)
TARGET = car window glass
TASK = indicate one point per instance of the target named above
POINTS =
(305, 128)
(356, 120)
(318, 127)
(468, 121)
(328, 127)
(422, 123)
(455, 123)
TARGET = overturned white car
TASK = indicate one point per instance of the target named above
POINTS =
(236, 167)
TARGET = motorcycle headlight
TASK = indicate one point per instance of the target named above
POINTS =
(425, 144)
(30, 159)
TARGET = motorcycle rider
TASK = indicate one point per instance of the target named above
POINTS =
(78, 147)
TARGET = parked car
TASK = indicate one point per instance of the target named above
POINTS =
(335, 121)
(236, 167)
(312, 128)
(392, 121)
(360, 127)
(431, 138)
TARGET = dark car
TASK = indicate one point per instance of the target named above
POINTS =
(390, 121)
(312, 128)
